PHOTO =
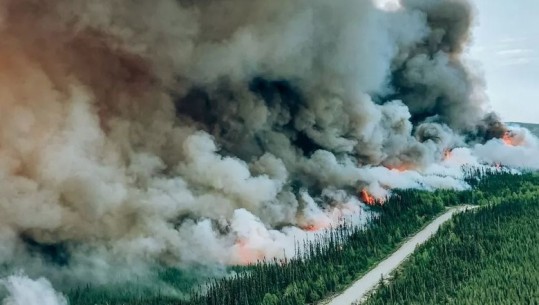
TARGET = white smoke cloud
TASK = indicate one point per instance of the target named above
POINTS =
(519, 149)
(389, 5)
(25, 291)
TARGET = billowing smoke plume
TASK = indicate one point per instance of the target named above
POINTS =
(517, 148)
(142, 133)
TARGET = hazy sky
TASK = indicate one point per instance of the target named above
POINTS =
(506, 45)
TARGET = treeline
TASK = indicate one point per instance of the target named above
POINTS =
(322, 267)
(330, 263)
(336, 258)
(490, 256)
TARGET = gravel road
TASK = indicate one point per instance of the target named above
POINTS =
(368, 282)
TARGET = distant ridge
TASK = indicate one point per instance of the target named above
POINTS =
(534, 128)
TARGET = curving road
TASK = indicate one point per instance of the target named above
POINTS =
(369, 281)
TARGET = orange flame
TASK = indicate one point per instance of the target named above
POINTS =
(448, 153)
(370, 199)
(400, 168)
(315, 226)
(508, 139)
(310, 228)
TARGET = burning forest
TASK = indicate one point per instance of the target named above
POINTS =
(136, 134)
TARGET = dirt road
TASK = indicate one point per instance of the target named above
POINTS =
(369, 281)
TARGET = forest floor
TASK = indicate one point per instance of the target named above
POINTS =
(362, 287)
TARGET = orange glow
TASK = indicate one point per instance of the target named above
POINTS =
(316, 226)
(370, 199)
(511, 138)
(245, 255)
(311, 228)
(448, 154)
(508, 139)
(400, 168)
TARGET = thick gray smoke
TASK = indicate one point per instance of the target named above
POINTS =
(143, 133)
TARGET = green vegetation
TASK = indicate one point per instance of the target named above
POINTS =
(496, 187)
(332, 262)
(489, 256)
(337, 258)
(169, 286)
(326, 266)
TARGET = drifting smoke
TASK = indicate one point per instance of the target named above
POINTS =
(24, 291)
(144, 133)
(517, 148)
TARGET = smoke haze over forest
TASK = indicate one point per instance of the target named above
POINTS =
(136, 134)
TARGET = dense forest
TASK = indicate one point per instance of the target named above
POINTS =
(489, 256)
(337, 258)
